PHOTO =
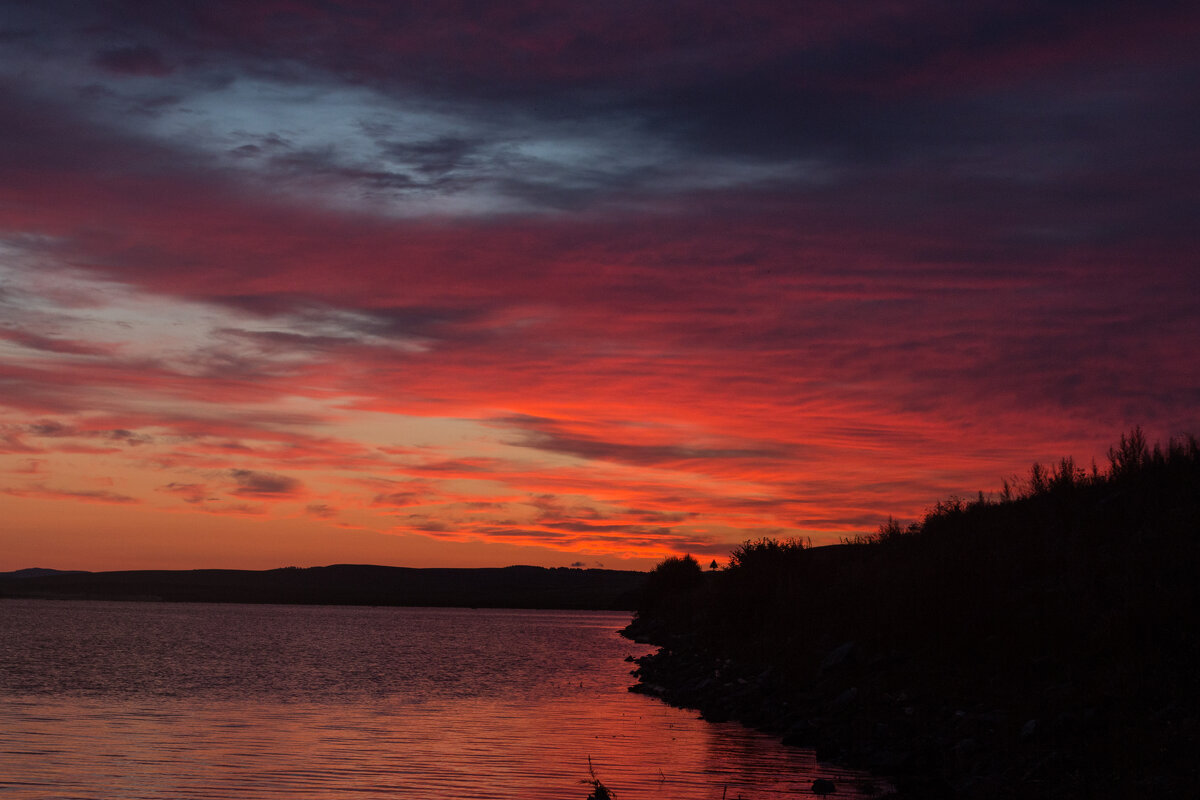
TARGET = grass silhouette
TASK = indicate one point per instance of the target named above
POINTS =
(599, 790)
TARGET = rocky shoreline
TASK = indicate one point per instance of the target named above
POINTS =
(854, 711)
(1040, 645)
(722, 690)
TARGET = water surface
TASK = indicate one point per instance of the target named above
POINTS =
(152, 701)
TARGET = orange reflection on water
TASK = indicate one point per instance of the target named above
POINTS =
(157, 701)
(465, 749)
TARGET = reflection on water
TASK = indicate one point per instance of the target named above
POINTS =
(128, 700)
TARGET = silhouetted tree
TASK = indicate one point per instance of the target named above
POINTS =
(670, 590)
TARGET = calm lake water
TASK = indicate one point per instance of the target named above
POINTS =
(147, 700)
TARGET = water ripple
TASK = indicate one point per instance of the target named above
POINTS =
(157, 701)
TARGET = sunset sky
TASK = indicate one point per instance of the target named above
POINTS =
(475, 284)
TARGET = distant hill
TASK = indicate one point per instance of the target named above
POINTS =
(35, 572)
(344, 584)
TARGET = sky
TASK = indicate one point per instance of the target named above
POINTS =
(302, 282)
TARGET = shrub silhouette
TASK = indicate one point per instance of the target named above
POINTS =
(671, 591)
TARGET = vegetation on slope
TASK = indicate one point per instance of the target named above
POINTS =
(1046, 639)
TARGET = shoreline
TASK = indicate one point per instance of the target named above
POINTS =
(885, 713)
(816, 718)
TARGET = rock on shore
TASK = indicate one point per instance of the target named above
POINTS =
(858, 711)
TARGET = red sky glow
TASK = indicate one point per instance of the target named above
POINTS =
(475, 284)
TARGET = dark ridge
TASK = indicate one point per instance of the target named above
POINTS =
(345, 584)
(1042, 644)
(34, 572)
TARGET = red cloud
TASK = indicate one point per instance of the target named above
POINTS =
(42, 492)
(943, 278)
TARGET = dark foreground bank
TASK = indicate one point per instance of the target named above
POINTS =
(345, 584)
(1039, 645)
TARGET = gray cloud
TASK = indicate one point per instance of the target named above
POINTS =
(434, 157)
(264, 484)
(545, 434)
(320, 511)
(133, 60)
(399, 499)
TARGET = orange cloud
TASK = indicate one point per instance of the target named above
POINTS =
(40, 491)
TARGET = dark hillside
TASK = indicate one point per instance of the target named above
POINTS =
(1044, 644)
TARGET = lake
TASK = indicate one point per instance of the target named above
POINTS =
(103, 700)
